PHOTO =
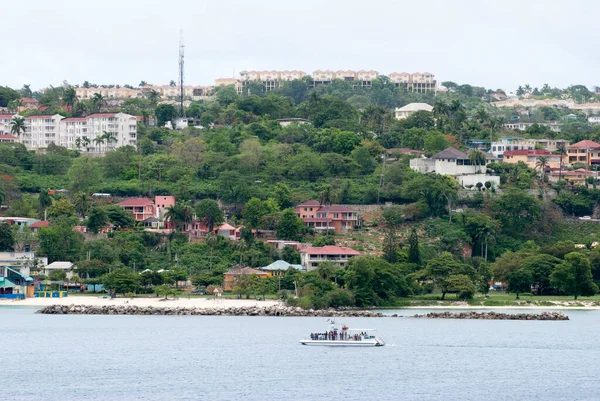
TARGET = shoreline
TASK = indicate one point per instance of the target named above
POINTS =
(205, 303)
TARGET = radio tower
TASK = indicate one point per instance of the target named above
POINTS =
(181, 73)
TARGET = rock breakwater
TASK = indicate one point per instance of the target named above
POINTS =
(495, 316)
(279, 310)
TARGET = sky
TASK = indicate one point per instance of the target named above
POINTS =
(490, 43)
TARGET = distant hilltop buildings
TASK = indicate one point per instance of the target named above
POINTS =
(416, 82)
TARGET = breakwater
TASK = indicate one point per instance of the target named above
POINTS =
(494, 316)
(278, 310)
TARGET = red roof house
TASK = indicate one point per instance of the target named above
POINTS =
(338, 255)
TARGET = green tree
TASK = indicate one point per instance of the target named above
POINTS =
(121, 281)
(393, 218)
(17, 126)
(209, 213)
(462, 285)
(69, 97)
(61, 209)
(254, 211)
(60, 242)
(441, 269)
(97, 219)
(519, 281)
(179, 214)
(120, 217)
(290, 255)
(414, 252)
(574, 276)
(58, 275)
(165, 113)
(82, 203)
(289, 226)
(7, 240)
(165, 291)
(541, 267)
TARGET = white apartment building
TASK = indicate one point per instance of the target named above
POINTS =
(173, 92)
(522, 126)
(5, 126)
(41, 131)
(504, 144)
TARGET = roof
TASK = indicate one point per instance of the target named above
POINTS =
(310, 203)
(96, 115)
(335, 208)
(226, 226)
(243, 270)
(585, 144)
(6, 136)
(330, 250)
(137, 202)
(150, 219)
(404, 151)
(281, 265)
(40, 224)
(416, 107)
(59, 266)
(6, 283)
(28, 100)
(450, 153)
(527, 152)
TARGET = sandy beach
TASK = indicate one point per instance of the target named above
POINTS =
(155, 302)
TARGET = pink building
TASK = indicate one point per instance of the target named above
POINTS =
(327, 217)
(142, 208)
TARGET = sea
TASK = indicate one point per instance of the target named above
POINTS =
(91, 357)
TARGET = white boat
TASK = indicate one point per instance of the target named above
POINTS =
(340, 335)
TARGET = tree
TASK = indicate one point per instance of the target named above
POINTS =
(517, 210)
(519, 281)
(97, 102)
(96, 219)
(121, 281)
(441, 269)
(414, 253)
(542, 165)
(165, 291)
(179, 214)
(253, 212)
(17, 126)
(574, 276)
(289, 226)
(290, 255)
(7, 240)
(153, 98)
(462, 285)
(392, 217)
(165, 113)
(58, 275)
(82, 204)
(541, 267)
(119, 216)
(44, 200)
(209, 213)
(61, 209)
(69, 97)
(60, 242)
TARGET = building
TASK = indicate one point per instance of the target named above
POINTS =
(7, 138)
(14, 283)
(22, 262)
(67, 267)
(108, 93)
(396, 153)
(457, 164)
(228, 231)
(269, 79)
(415, 82)
(504, 144)
(574, 177)
(284, 122)
(96, 133)
(586, 152)
(235, 274)
(35, 227)
(141, 208)
(522, 126)
(410, 109)
(594, 119)
(338, 255)
(531, 157)
(279, 267)
(339, 218)
(28, 103)
(280, 244)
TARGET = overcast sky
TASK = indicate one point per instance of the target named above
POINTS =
(496, 44)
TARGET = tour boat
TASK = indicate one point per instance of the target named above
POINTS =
(340, 335)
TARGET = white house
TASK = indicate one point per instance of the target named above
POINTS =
(457, 164)
(411, 108)
(22, 261)
(67, 267)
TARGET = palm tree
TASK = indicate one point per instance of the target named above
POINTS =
(99, 140)
(44, 200)
(17, 126)
(477, 157)
(82, 204)
(2, 195)
(542, 164)
(562, 152)
(69, 97)
(326, 197)
(179, 214)
(85, 141)
(14, 105)
(78, 143)
(98, 102)
(109, 137)
(440, 113)
(153, 97)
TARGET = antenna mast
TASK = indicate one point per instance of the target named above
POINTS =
(181, 73)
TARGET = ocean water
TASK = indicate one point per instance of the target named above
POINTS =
(49, 357)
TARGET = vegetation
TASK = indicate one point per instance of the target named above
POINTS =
(245, 168)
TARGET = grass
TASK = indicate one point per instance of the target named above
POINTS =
(497, 299)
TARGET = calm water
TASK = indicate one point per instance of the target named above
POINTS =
(258, 358)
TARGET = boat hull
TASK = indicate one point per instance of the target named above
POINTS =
(334, 343)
